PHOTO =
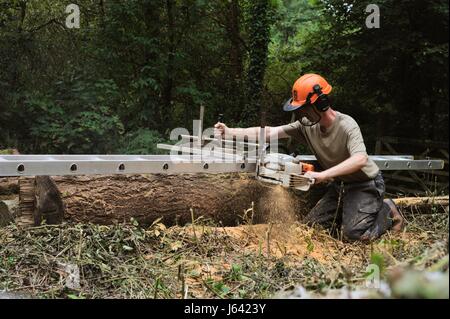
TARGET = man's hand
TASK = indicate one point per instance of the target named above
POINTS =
(219, 129)
(350, 165)
(319, 177)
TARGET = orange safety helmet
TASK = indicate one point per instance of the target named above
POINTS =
(306, 90)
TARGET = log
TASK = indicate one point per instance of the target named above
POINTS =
(223, 198)
(49, 204)
(8, 211)
(27, 202)
(39, 201)
(423, 205)
(9, 185)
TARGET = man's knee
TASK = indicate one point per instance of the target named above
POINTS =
(352, 233)
(364, 230)
(359, 227)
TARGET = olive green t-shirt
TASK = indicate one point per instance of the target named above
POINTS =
(339, 142)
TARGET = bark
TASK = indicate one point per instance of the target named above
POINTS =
(168, 87)
(8, 210)
(232, 24)
(9, 185)
(423, 205)
(49, 204)
(233, 32)
(223, 198)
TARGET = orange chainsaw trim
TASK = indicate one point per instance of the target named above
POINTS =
(307, 167)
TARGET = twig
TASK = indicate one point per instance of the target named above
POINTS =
(212, 289)
(193, 225)
(268, 239)
(181, 277)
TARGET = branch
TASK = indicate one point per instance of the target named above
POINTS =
(51, 21)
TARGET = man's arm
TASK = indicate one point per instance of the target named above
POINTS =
(272, 132)
(357, 160)
(352, 164)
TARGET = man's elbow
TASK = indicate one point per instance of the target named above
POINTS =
(362, 159)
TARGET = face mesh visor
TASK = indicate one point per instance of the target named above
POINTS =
(308, 116)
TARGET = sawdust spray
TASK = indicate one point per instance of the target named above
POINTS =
(279, 208)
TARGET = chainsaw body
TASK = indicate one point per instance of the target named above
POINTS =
(285, 170)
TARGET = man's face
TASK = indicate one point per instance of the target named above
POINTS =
(308, 115)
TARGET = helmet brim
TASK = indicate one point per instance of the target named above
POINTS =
(291, 106)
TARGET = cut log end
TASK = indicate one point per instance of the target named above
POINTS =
(39, 201)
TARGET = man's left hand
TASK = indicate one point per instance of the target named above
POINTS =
(319, 177)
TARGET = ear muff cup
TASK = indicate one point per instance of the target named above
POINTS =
(322, 102)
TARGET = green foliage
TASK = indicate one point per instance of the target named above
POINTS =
(143, 66)
(392, 78)
(236, 273)
(142, 141)
(75, 118)
(378, 260)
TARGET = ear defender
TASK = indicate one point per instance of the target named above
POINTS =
(322, 103)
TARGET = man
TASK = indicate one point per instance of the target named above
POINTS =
(335, 139)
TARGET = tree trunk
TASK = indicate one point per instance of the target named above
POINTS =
(169, 83)
(259, 35)
(423, 205)
(233, 31)
(223, 198)
(232, 24)
(226, 199)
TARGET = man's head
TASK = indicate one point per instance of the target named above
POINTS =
(309, 97)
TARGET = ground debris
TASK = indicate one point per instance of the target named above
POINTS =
(202, 259)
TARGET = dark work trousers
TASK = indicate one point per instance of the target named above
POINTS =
(356, 207)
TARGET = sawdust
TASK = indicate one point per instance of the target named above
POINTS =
(293, 242)
(280, 211)
(279, 206)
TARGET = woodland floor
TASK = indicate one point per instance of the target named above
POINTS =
(204, 260)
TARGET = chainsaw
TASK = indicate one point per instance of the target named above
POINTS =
(285, 170)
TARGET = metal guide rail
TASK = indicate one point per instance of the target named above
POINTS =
(33, 165)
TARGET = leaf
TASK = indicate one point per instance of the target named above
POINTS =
(127, 248)
(309, 244)
(175, 245)
(377, 259)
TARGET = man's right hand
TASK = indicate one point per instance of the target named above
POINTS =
(219, 129)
